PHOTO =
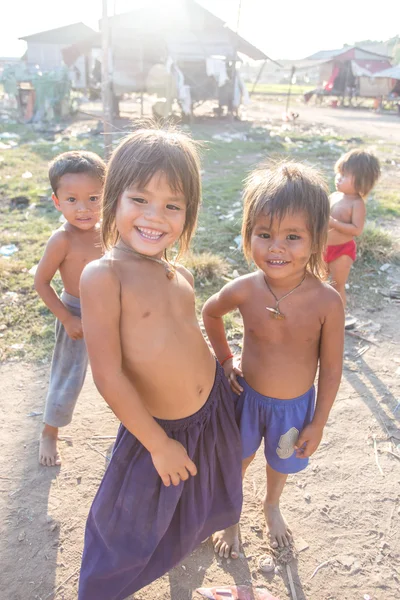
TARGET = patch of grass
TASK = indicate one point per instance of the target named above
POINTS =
(230, 152)
(206, 267)
(279, 88)
(385, 203)
(375, 245)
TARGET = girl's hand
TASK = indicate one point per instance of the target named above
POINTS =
(232, 367)
(309, 440)
(173, 463)
(73, 327)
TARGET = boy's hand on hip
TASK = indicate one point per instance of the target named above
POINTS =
(233, 368)
(173, 464)
(309, 440)
(73, 327)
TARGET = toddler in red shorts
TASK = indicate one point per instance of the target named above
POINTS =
(356, 174)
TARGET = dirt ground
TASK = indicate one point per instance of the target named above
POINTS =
(344, 509)
(345, 506)
(359, 122)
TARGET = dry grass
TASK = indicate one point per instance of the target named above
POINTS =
(376, 245)
(206, 266)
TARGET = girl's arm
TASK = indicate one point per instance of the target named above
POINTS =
(225, 301)
(101, 313)
(53, 257)
(330, 373)
(356, 226)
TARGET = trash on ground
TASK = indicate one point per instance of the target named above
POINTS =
(233, 592)
(266, 563)
(385, 267)
(8, 250)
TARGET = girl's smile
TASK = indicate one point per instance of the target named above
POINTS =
(150, 219)
(281, 248)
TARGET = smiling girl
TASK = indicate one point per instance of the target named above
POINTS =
(292, 322)
(176, 465)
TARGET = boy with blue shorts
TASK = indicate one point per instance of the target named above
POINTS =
(293, 322)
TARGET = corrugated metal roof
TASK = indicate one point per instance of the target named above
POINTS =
(392, 73)
(69, 34)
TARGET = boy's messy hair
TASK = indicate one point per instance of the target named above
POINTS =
(75, 162)
(288, 187)
(145, 152)
(363, 166)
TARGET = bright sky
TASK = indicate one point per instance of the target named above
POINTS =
(286, 29)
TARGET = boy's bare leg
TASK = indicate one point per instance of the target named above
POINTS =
(48, 452)
(339, 270)
(226, 541)
(277, 529)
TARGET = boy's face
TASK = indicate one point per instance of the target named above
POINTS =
(344, 183)
(78, 199)
(281, 249)
(152, 218)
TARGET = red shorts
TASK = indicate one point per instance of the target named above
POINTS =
(347, 249)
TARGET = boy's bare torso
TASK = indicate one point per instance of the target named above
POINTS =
(280, 357)
(164, 353)
(81, 247)
(341, 209)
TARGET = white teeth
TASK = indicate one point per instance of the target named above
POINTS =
(150, 234)
(278, 262)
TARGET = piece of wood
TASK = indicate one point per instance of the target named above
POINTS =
(105, 81)
(376, 456)
(98, 451)
(291, 582)
(55, 592)
(323, 564)
(360, 337)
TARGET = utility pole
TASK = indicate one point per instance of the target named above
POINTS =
(105, 82)
(234, 59)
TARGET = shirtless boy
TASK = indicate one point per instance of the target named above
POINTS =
(356, 174)
(77, 181)
(293, 321)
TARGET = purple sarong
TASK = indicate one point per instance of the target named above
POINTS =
(138, 529)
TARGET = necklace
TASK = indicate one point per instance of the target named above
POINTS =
(276, 313)
(169, 269)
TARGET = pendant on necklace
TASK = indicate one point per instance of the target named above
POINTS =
(170, 271)
(276, 313)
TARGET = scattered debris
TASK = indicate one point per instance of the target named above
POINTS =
(238, 241)
(362, 350)
(376, 455)
(301, 544)
(26, 175)
(323, 564)
(34, 414)
(19, 202)
(291, 583)
(361, 337)
(17, 347)
(98, 451)
(33, 270)
(8, 250)
(350, 322)
(58, 588)
(233, 592)
(266, 563)
(385, 267)
(21, 536)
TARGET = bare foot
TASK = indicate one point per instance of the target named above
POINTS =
(48, 452)
(278, 531)
(226, 542)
